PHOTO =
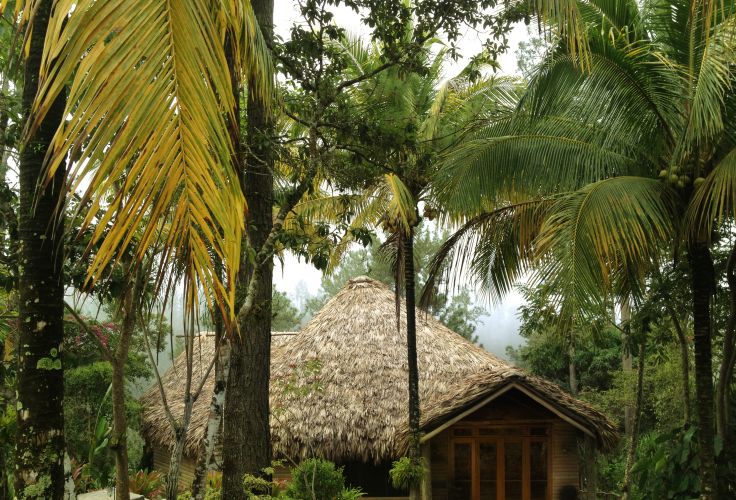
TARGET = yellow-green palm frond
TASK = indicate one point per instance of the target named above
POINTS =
(714, 200)
(364, 210)
(608, 232)
(253, 59)
(401, 207)
(149, 107)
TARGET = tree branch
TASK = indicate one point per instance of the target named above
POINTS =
(106, 353)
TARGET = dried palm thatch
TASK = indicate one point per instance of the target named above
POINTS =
(156, 426)
(339, 386)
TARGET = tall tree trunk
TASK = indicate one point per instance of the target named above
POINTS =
(39, 464)
(177, 453)
(247, 432)
(415, 450)
(627, 360)
(725, 373)
(702, 283)
(634, 438)
(119, 426)
(118, 441)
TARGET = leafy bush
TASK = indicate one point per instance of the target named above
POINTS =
(667, 466)
(149, 484)
(406, 473)
(316, 478)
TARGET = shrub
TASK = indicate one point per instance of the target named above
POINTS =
(406, 473)
(667, 466)
(316, 479)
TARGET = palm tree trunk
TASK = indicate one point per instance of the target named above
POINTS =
(39, 464)
(119, 426)
(415, 451)
(247, 432)
(634, 438)
(725, 373)
(702, 283)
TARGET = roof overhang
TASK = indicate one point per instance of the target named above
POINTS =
(524, 390)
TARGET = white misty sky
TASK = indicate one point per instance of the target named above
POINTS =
(500, 325)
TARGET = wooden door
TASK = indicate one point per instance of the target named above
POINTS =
(499, 468)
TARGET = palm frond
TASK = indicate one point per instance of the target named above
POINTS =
(609, 230)
(714, 200)
(492, 250)
(149, 105)
(532, 156)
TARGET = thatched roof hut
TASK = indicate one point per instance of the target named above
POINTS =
(339, 386)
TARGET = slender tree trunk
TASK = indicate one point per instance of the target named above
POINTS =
(118, 441)
(627, 361)
(213, 434)
(725, 373)
(39, 464)
(172, 477)
(118, 438)
(247, 432)
(415, 451)
(4, 402)
(571, 368)
(685, 364)
(702, 283)
(634, 438)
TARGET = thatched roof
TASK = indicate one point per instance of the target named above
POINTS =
(156, 427)
(482, 387)
(339, 386)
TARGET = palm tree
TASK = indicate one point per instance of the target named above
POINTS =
(406, 120)
(605, 166)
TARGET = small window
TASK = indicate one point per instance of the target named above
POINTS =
(461, 431)
(538, 431)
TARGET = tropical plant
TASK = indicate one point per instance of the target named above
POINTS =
(610, 168)
(407, 474)
(149, 484)
(316, 479)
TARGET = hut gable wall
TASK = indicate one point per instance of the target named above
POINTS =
(507, 415)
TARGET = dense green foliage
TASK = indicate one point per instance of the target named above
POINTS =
(603, 178)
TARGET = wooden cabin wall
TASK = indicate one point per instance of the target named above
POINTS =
(565, 460)
(161, 460)
(508, 411)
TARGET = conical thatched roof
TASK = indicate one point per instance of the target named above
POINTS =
(339, 386)
(364, 399)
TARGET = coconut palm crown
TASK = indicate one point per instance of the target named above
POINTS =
(607, 168)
